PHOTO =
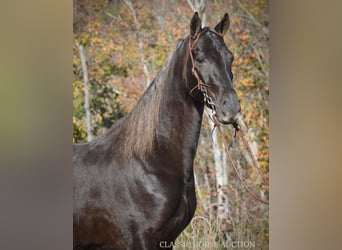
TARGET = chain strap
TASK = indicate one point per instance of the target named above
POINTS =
(208, 100)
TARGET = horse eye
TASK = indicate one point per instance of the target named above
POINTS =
(200, 59)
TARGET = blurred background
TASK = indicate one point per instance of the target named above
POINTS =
(36, 128)
(118, 48)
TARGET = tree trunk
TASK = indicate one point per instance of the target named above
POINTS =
(86, 93)
(140, 41)
(199, 6)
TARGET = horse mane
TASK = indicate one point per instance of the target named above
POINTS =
(137, 132)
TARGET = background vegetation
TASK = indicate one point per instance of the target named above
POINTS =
(125, 43)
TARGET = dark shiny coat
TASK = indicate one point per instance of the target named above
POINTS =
(134, 186)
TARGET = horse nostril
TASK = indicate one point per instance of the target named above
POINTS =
(231, 106)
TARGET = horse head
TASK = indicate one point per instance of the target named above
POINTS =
(211, 66)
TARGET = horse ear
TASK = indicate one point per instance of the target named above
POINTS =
(223, 25)
(195, 25)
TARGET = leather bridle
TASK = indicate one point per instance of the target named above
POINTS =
(202, 87)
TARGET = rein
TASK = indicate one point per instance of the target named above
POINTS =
(229, 156)
(201, 86)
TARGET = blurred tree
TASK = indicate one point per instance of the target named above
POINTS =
(86, 93)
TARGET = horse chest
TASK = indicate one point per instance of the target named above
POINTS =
(179, 208)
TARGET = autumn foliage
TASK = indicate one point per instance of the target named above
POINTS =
(124, 48)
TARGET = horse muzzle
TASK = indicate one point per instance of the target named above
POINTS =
(228, 119)
(228, 110)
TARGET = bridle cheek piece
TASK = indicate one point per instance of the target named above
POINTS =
(201, 86)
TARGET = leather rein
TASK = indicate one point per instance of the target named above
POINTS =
(201, 86)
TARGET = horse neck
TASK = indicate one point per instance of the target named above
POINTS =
(180, 117)
(166, 118)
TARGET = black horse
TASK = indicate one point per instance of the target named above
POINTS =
(134, 186)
